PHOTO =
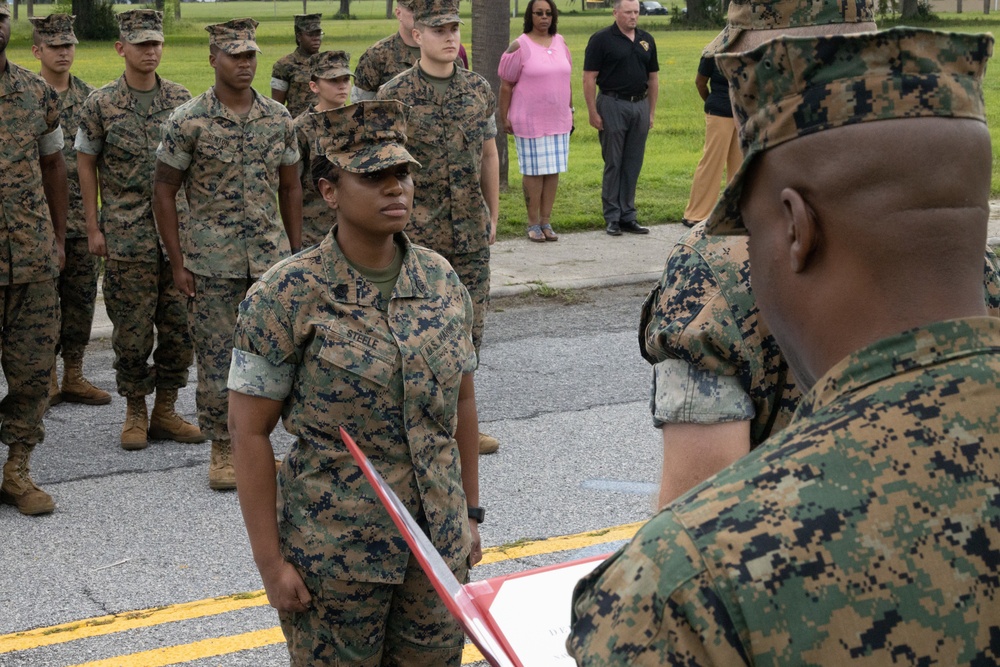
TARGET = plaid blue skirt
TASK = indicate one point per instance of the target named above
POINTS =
(543, 155)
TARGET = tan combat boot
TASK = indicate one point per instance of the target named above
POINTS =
(18, 489)
(488, 444)
(136, 422)
(221, 475)
(55, 398)
(165, 424)
(77, 389)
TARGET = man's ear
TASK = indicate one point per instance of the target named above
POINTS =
(802, 229)
(328, 191)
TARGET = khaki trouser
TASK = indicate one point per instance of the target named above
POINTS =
(722, 153)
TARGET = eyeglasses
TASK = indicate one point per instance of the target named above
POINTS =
(542, 13)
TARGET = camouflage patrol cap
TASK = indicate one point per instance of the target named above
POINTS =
(308, 22)
(435, 12)
(792, 87)
(774, 14)
(235, 36)
(137, 26)
(330, 65)
(54, 29)
(365, 137)
(5, 9)
(405, 3)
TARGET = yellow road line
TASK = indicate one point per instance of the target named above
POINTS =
(105, 625)
(206, 648)
(143, 618)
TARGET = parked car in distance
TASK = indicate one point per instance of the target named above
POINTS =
(651, 7)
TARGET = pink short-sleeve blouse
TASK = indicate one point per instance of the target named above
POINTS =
(541, 97)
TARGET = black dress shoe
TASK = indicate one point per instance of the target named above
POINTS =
(633, 228)
(613, 229)
(688, 223)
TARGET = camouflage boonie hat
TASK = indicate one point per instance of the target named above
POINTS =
(235, 36)
(792, 87)
(405, 3)
(330, 65)
(55, 29)
(365, 137)
(772, 14)
(137, 26)
(308, 22)
(5, 9)
(435, 12)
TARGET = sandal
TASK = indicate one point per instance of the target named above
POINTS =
(550, 235)
(535, 234)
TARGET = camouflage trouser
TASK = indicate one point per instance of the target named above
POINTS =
(77, 293)
(27, 353)
(356, 624)
(139, 296)
(473, 270)
(212, 316)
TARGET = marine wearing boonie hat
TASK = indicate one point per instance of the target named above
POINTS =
(138, 26)
(54, 29)
(5, 9)
(774, 14)
(330, 65)
(792, 87)
(365, 137)
(308, 22)
(235, 36)
(435, 12)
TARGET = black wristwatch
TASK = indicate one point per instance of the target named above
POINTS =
(477, 513)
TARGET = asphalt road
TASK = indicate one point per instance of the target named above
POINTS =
(128, 568)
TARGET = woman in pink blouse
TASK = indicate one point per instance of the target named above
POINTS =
(535, 99)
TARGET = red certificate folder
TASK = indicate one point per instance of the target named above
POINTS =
(521, 620)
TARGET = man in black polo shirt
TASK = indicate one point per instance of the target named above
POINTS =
(621, 60)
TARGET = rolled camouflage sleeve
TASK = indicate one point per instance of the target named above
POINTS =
(281, 78)
(689, 335)
(177, 143)
(52, 140)
(264, 359)
(90, 131)
(291, 154)
(652, 603)
(991, 282)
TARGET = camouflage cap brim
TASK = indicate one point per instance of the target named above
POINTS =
(439, 20)
(372, 158)
(792, 87)
(4, 9)
(238, 46)
(332, 73)
(142, 36)
(722, 41)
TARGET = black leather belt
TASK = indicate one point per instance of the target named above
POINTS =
(627, 98)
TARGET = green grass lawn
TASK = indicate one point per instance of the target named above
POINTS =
(672, 151)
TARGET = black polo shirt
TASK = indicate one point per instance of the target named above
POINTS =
(717, 103)
(622, 65)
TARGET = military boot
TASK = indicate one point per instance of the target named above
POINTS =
(77, 389)
(136, 422)
(221, 475)
(166, 424)
(18, 489)
(488, 444)
(55, 398)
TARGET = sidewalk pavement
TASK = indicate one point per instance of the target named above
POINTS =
(581, 260)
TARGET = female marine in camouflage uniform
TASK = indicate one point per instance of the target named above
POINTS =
(322, 341)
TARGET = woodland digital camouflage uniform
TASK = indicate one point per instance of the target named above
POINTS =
(138, 281)
(234, 232)
(317, 217)
(318, 336)
(714, 357)
(445, 133)
(292, 71)
(78, 279)
(29, 127)
(868, 529)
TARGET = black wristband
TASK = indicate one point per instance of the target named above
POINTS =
(477, 513)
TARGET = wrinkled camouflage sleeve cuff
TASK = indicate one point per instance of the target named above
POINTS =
(278, 84)
(361, 95)
(253, 375)
(83, 144)
(52, 142)
(684, 394)
(177, 159)
(291, 155)
(491, 128)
